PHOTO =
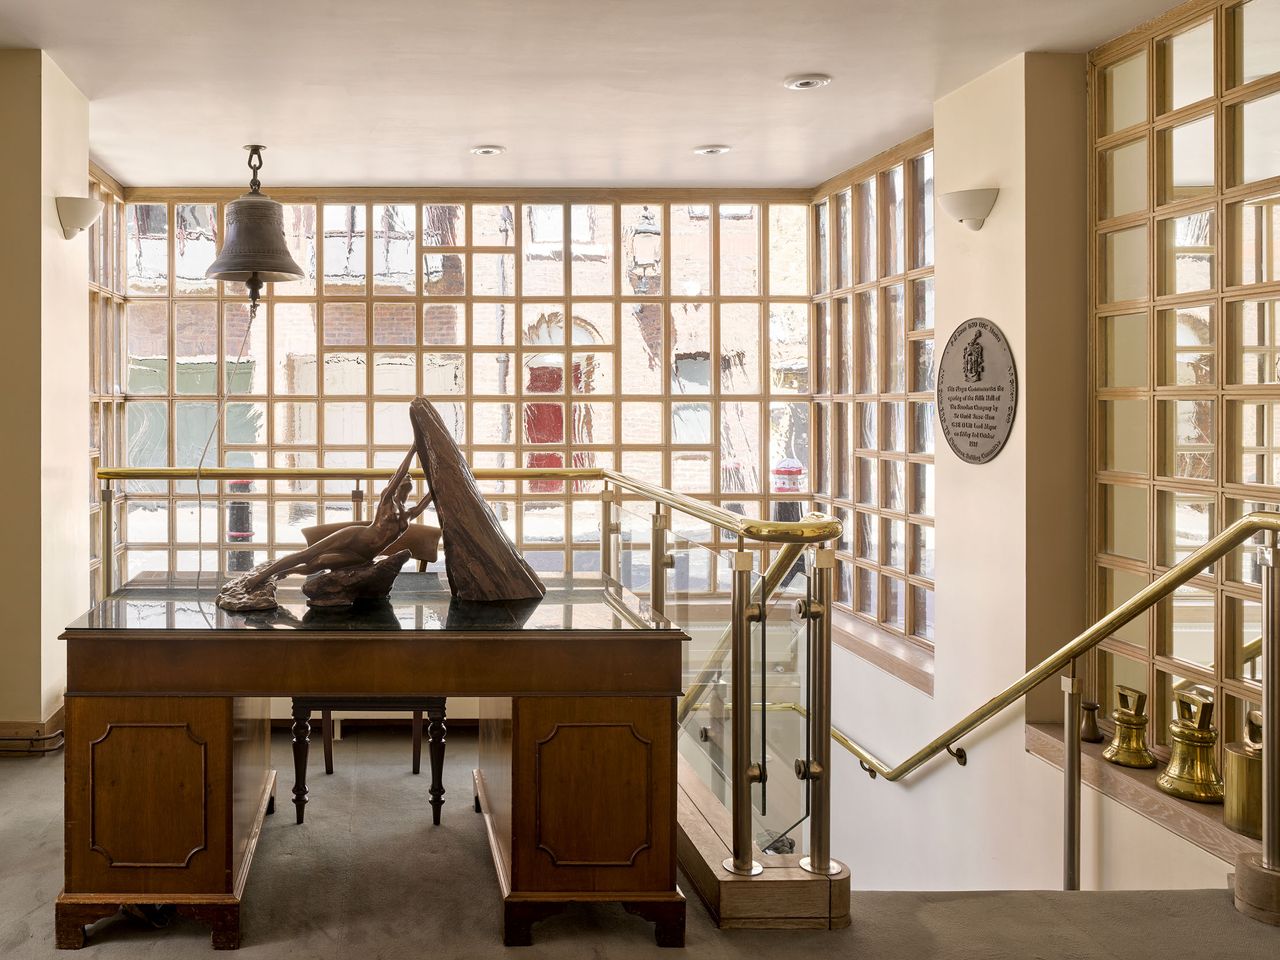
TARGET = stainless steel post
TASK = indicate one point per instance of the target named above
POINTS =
(1071, 781)
(744, 771)
(1269, 563)
(357, 502)
(606, 532)
(819, 765)
(659, 561)
(106, 536)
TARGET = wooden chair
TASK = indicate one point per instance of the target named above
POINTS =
(433, 707)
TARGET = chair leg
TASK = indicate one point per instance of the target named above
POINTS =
(326, 723)
(436, 731)
(417, 741)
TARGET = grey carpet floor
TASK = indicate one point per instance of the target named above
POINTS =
(368, 877)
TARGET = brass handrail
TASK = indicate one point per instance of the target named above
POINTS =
(815, 528)
(1142, 601)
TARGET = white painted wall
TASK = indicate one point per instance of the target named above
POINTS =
(1010, 550)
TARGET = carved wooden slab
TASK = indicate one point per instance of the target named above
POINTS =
(481, 563)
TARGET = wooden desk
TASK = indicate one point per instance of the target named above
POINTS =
(168, 772)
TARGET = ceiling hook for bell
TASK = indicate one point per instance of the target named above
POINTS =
(255, 164)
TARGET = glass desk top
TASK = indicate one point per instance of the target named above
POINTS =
(418, 601)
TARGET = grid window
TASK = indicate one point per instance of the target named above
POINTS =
(873, 382)
(1184, 327)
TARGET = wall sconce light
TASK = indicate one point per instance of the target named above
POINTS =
(77, 213)
(970, 207)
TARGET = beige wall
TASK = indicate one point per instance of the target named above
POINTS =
(43, 409)
(1010, 535)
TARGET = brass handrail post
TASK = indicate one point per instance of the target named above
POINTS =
(607, 531)
(106, 534)
(817, 770)
(1269, 564)
(659, 560)
(745, 772)
(1071, 687)
(357, 502)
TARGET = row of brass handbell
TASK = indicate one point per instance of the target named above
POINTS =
(1192, 773)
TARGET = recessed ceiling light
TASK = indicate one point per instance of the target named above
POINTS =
(488, 150)
(712, 149)
(806, 81)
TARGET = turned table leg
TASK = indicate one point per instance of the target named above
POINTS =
(326, 728)
(436, 731)
(301, 742)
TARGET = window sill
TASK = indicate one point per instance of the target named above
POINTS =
(909, 662)
(1198, 823)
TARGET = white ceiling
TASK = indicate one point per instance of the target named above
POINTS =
(610, 92)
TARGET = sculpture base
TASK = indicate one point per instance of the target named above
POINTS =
(234, 597)
(346, 586)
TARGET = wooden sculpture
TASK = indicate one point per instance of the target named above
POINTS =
(481, 563)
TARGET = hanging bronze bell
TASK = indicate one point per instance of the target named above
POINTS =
(1192, 773)
(1243, 775)
(1128, 747)
(255, 251)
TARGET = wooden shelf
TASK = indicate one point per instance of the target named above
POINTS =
(1199, 823)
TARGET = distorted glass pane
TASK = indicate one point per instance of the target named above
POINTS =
(244, 349)
(1257, 32)
(344, 248)
(290, 517)
(394, 248)
(895, 602)
(1188, 337)
(1124, 179)
(1187, 439)
(1256, 335)
(895, 360)
(1124, 265)
(690, 250)
(922, 304)
(345, 423)
(591, 323)
(1187, 160)
(398, 373)
(195, 347)
(245, 423)
(642, 249)
(840, 446)
(1254, 226)
(542, 271)
(195, 243)
(922, 373)
(691, 423)
(294, 346)
(821, 267)
(591, 236)
(922, 488)
(843, 329)
(740, 348)
(844, 239)
(294, 422)
(1188, 624)
(922, 615)
(788, 249)
(1117, 587)
(592, 423)
(822, 347)
(1258, 428)
(922, 550)
(146, 434)
(492, 224)
(894, 436)
(1123, 362)
(789, 442)
(1184, 524)
(445, 274)
(1257, 126)
(921, 440)
(691, 472)
(740, 447)
(867, 236)
(492, 323)
(867, 426)
(146, 253)
(344, 324)
(893, 483)
(592, 373)
(922, 210)
(789, 347)
(543, 372)
(865, 593)
(1246, 638)
(1124, 94)
(690, 348)
(444, 225)
(494, 423)
(867, 539)
(147, 347)
(345, 374)
(300, 237)
(894, 225)
(1124, 521)
(868, 343)
(739, 249)
(1186, 253)
(642, 353)
(1124, 435)
(544, 422)
(866, 478)
(1186, 62)
(396, 323)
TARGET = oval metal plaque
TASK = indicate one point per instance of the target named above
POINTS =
(977, 391)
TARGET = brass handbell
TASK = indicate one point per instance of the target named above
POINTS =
(1129, 746)
(1192, 773)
